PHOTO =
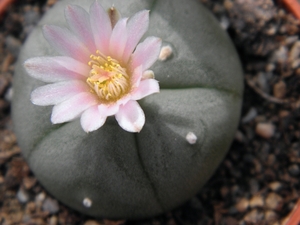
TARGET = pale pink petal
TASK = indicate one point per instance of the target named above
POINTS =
(118, 39)
(131, 117)
(108, 110)
(73, 107)
(124, 100)
(101, 27)
(54, 69)
(79, 22)
(146, 87)
(136, 28)
(53, 94)
(91, 119)
(146, 53)
(136, 76)
(66, 43)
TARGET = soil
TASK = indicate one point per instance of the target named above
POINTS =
(258, 181)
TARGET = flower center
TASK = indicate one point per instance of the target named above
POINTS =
(107, 78)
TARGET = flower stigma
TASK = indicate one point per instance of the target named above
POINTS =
(107, 78)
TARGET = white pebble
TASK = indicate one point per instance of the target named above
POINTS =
(22, 195)
(191, 138)
(50, 205)
(165, 53)
(87, 202)
(9, 94)
(265, 130)
(40, 197)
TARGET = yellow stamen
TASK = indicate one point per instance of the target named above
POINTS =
(107, 78)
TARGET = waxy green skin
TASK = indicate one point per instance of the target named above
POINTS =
(138, 175)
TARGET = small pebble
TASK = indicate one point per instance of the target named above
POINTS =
(274, 201)
(30, 207)
(31, 17)
(270, 215)
(265, 130)
(9, 94)
(279, 90)
(256, 201)
(115, 222)
(224, 22)
(271, 31)
(13, 45)
(257, 166)
(224, 191)
(165, 53)
(92, 222)
(280, 55)
(26, 218)
(294, 170)
(253, 216)
(263, 82)
(270, 67)
(1, 179)
(3, 84)
(260, 119)
(239, 136)
(291, 39)
(29, 182)
(53, 220)
(51, 2)
(40, 197)
(242, 205)
(50, 205)
(295, 51)
(7, 62)
(191, 138)
(275, 186)
(284, 113)
(251, 114)
(271, 159)
(22, 195)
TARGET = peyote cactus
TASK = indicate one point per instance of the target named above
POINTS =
(188, 128)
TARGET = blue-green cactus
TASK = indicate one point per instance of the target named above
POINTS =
(115, 174)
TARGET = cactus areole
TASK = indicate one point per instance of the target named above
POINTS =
(125, 112)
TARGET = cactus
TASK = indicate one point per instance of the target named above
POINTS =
(189, 125)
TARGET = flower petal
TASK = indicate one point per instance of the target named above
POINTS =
(73, 107)
(79, 22)
(131, 117)
(146, 53)
(136, 76)
(136, 27)
(91, 119)
(66, 43)
(58, 68)
(118, 40)
(146, 87)
(108, 110)
(101, 27)
(53, 94)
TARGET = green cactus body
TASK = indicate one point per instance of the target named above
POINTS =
(115, 174)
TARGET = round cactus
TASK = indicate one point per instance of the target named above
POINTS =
(189, 125)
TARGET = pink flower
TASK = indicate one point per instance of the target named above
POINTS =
(103, 70)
